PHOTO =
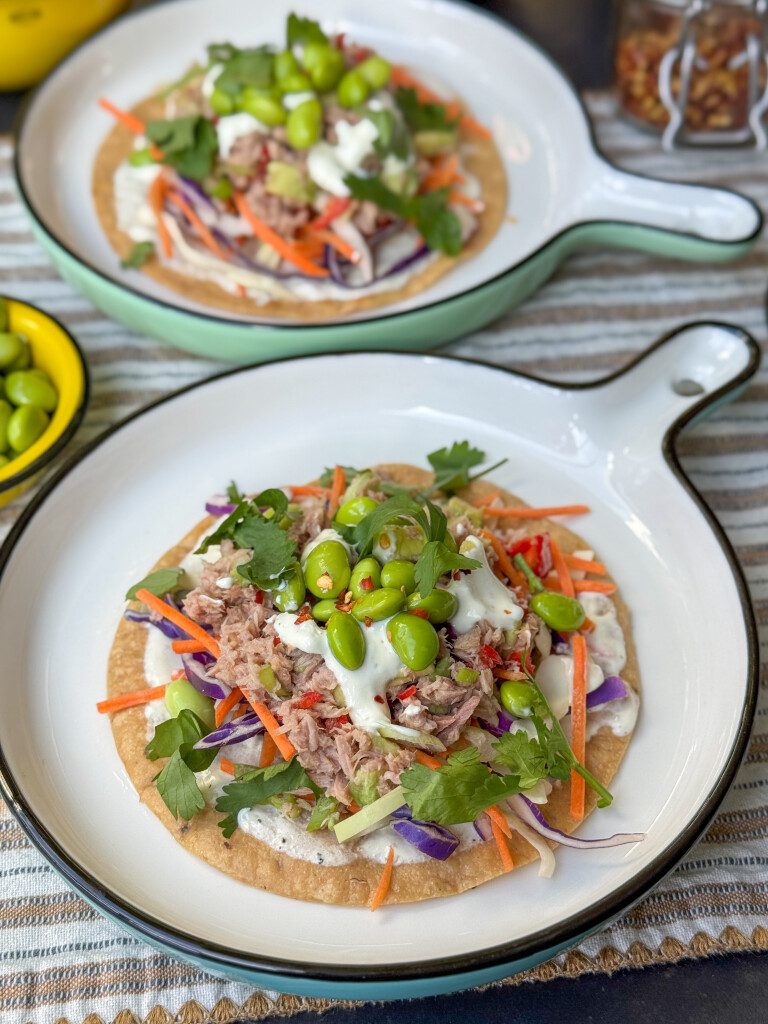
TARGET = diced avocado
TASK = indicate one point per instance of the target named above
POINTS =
(364, 787)
(288, 181)
(370, 817)
(457, 507)
(412, 738)
(431, 143)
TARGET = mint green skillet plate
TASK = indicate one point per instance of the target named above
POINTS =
(563, 194)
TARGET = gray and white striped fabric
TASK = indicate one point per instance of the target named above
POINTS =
(59, 959)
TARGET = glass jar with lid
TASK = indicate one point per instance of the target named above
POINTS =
(695, 70)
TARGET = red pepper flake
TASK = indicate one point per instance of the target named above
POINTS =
(456, 575)
(519, 547)
(422, 613)
(378, 698)
(309, 698)
(333, 723)
(304, 615)
(368, 621)
(490, 656)
(345, 607)
(367, 583)
(406, 693)
(276, 641)
(259, 597)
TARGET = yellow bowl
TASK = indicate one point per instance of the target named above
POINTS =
(55, 351)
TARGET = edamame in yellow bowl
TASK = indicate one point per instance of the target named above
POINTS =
(54, 351)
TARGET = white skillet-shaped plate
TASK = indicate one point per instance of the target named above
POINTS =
(99, 524)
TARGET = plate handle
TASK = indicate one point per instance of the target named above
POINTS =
(694, 222)
(684, 376)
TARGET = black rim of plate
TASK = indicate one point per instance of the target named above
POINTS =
(505, 954)
(46, 457)
(254, 323)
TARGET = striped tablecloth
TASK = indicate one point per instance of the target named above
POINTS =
(59, 959)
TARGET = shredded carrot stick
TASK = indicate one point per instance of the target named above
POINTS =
(225, 705)
(563, 576)
(308, 490)
(156, 197)
(333, 208)
(337, 489)
(187, 646)
(336, 242)
(551, 581)
(597, 586)
(587, 626)
(265, 234)
(311, 248)
(353, 806)
(427, 760)
(203, 232)
(240, 711)
(578, 723)
(179, 619)
(584, 565)
(538, 513)
(130, 700)
(384, 882)
(501, 843)
(131, 122)
(487, 500)
(445, 173)
(475, 205)
(270, 723)
(226, 765)
(268, 751)
(514, 577)
(496, 815)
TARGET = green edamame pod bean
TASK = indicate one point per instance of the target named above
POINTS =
(26, 387)
(354, 511)
(285, 65)
(10, 348)
(352, 89)
(263, 105)
(4, 315)
(221, 103)
(26, 424)
(558, 611)
(440, 605)
(379, 604)
(517, 697)
(323, 610)
(298, 82)
(325, 65)
(326, 569)
(24, 359)
(414, 640)
(304, 124)
(2, 387)
(6, 411)
(375, 70)
(366, 569)
(346, 640)
(180, 695)
(399, 574)
(289, 596)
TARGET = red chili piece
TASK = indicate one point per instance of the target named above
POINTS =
(379, 699)
(333, 723)
(309, 698)
(489, 655)
(304, 614)
(367, 583)
(259, 597)
(406, 693)
(422, 613)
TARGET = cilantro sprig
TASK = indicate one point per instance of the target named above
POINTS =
(423, 117)
(160, 582)
(188, 144)
(436, 223)
(176, 783)
(259, 786)
(452, 466)
(300, 31)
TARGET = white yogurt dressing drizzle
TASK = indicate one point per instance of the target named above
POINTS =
(481, 595)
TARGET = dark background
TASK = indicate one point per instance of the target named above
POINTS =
(730, 989)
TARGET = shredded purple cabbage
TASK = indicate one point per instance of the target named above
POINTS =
(237, 730)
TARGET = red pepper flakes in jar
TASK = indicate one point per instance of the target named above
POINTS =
(719, 97)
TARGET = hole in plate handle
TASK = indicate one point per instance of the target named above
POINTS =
(687, 387)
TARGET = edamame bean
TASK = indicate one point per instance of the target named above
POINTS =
(440, 605)
(379, 604)
(354, 511)
(221, 103)
(346, 640)
(298, 82)
(289, 596)
(285, 65)
(375, 70)
(366, 569)
(26, 387)
(6, 411)
(263, 105)
(516, 696)
(558, 611)
(10, 348)
(25, 426)
(4, 315)
(180, 695)
(325, 65)
(304, 124)
(414, 640)
(24, 359)
(323, 610)
(399, 574)
(326, 570)
(352, 89)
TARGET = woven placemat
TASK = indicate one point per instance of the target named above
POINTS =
(59, 960)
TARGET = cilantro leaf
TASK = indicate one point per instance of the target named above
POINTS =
(524, 756)
(392, 134)
(398, 508)
(423, 117)
(188, 144)
(138, 255)
(326, 477)
(242, 68)
(234, 494)
(257, 787)
(273, 498)
(452, 465)
(178, 787)
(437, 224)
(160, 582)
(302, 31)
(456, 792)
(180, 734)
(274, 553)
(435, 560)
